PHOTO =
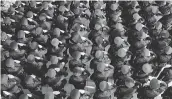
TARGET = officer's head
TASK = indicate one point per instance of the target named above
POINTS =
(101, 67)
(170, 73)
(168, 50)
(30, 58)
(3, 36)
(77, 71)
(21, 34)
(146, 52)
(75, 94)
(76, 38)
(14, 45)
(4, 79)
(55, 42)
(118, 41)
(103, 86)
(7, 20)
(29, 14)
(51, 73)
(114, 6)
(76, 55)
(99, 54)
(49, 95)
(154, 84)
(125, 69)
(99, 40)
(10, 63)
(42, 17)
(56, 32)
(33, 45)
(24, 96)
(122, 52)
(129, 82)
(147, 68)
(54, 59)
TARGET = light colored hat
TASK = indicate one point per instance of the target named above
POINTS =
(168, 50)
(75, 94)
(146, 52)
(100, 67)
(119, 26)
(24, 96)
(147, 68)
(55, 42)
(139, 26)
(122, 52)
(129, 82)
(9, 62)
(136, 16)
(4, 79)
(54, 59)
(125, 69)
(51, 73)
(114, 6)
(103, 86)
(99, 54)
(118, 41)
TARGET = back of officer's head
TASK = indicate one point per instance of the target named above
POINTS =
(13, 45)
(49, 95)
(9, 62)
(154, 84)
(75, 94)
(51, 73)
(103, 86)
(23, 96)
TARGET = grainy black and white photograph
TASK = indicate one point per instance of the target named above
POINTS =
(87, 49)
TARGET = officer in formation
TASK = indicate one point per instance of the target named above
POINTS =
(123, 47)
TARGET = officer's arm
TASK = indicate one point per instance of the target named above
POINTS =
(163, 86)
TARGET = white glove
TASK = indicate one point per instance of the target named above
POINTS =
(40, 46)
(82, 26)
(17, 61)
(109, 83)
(30, 19)
(34, 14)
(170, 84)
(83, 38)
(38, 2)
(82, 91)
(57, 69)
(10, 76)
(63, 63)
(45, 31)
(38, 57)
(56, 92)
(82, 69)
(21, 44)
(60, 42)
(29, 95)
(49, 17)
(151, 77)
(27, 32)
(7, 93)
(82, 53)
(12, 20)
(62, 31)
(9, 35)
(33, 76)
(107, 65)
